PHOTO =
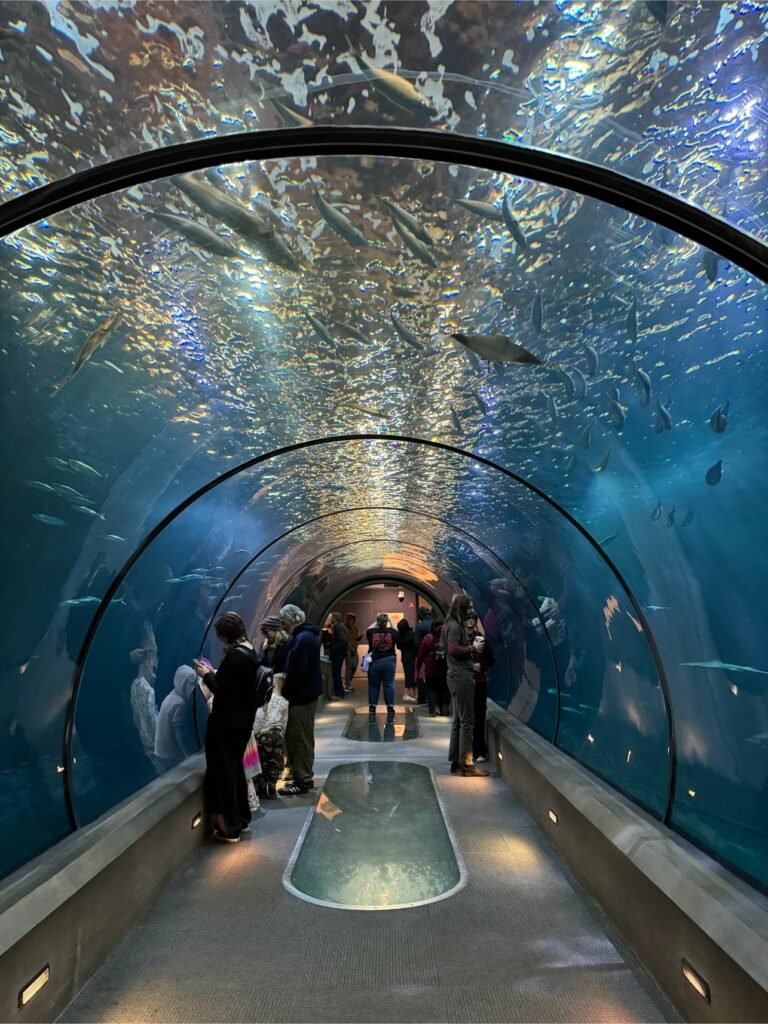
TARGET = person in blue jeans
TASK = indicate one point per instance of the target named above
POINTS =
(382, 640)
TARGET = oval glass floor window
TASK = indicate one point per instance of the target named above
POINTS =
(382, 727)
(378, 839)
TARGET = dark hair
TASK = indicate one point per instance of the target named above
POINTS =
(403, 625)
(230, 628)
(350, 617)
(437, 626)
(460, 605)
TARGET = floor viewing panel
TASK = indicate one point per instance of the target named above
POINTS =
(381, 728)
(377, 839)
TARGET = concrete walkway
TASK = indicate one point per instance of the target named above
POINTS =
(521, 942)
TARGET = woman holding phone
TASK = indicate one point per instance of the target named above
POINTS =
(237, 692)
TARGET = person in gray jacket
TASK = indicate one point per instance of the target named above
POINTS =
(462, 656)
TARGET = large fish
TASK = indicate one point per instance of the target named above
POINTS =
(407, 335)
(409, 221)
(249, 225)
(719, 418)
(537, 313)
(656, 514)
(643, 382)
(224, 208)
(416, 246)
(396, 89)
(663, 417)
(289, 115)
(199, 235)
(319, 327)
(603, 462)
(616, 415)
(714, 474)
(496, 348)
(93, 342)
(339, 222)
(512, 225)
(632, 320)
(83, 467)
(671, 516)
(593, 360)
(688, 518)
(352, 332)
(580, 385)
(480, 209)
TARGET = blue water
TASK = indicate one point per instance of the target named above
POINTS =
(215, 362)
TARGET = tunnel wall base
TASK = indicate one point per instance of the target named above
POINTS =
(668, 900)
(71, 906)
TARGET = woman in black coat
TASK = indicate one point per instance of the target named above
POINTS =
(238, 689)
(406, 644)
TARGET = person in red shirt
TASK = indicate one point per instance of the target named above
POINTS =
(382, 643)
(431, 659)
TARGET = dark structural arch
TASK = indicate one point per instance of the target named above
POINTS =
(405, 143)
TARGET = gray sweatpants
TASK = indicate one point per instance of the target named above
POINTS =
(463, 724)
(300, 741)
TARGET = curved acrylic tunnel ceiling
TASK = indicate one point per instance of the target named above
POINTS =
(664, 91)
(640, 423)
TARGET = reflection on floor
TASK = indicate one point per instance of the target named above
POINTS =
(368, 814)
(381, 727)
(520, 942)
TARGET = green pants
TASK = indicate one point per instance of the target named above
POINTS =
(300, 741)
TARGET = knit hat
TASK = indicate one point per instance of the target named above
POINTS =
(271, 622)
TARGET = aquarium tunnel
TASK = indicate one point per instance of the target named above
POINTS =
(463, 297)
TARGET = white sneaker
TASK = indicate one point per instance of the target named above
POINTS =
(480, 760)
(411, 699)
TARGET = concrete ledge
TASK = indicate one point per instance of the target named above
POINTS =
(666, 898)
(70, 906)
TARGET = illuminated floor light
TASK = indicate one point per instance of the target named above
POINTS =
(691, 792)
(34, 986)
(629, 756)
(590, 737)
(197, 820)
(500, 756)
(696, 981)
(552, 816)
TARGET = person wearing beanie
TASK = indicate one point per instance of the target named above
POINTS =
(273, 647)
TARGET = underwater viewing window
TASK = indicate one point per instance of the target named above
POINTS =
(164, 334)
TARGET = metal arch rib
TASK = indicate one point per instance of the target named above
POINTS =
(565, 172)
(114, 586)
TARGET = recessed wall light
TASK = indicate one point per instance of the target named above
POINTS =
(500, 756)
(197, 819)
(552, 816)
(34, 986)
(696, 981)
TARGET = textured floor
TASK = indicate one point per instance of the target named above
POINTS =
(226, 942)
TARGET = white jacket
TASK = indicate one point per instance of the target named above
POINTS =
(273, 715)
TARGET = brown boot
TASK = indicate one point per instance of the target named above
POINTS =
(471, 771)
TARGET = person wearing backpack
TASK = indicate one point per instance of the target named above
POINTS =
(382, 643)
(237, 692)
(430, 661)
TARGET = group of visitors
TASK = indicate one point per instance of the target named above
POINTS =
(262, 716)
(263, 699)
